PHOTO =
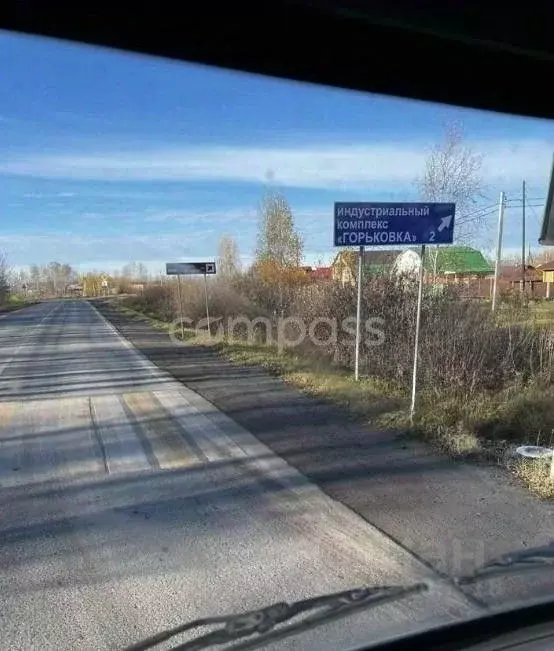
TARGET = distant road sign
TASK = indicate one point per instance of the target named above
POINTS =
(385, 224)
(189, 268)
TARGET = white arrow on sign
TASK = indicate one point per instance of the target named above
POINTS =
(445, 223)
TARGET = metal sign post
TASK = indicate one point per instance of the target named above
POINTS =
(397, 224)
(207, 310)
(358, 315)
(190, 269)
(180, 306)
(417, 328)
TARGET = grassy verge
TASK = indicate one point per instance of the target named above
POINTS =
(479, 427)
(534, 313)
(535, 473)
(16, 303)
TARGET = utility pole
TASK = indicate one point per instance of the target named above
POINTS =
(523, 238)
(498, 250)
(207, 308)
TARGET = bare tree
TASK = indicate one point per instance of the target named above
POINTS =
(228, 259)
(453, 174)
(540, 257)
(4, 278)
(19, 281)
(35, 278)
(142, 272)
(278, 241)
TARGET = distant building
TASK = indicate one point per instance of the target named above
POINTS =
(375, 262)
(322, 273)
(455, 263)
(546, 269)
(74, 290)
(511, 276)
(444, 264)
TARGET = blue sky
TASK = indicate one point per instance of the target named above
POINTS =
(109, 157)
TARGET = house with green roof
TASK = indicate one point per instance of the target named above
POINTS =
(443, 263)
(455, 262)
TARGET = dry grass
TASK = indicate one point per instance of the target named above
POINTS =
(16, 303)
(535, 473)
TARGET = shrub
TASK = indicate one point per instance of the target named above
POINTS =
(463, 348)
(157, 300)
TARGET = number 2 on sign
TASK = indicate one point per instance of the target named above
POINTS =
(432, 236)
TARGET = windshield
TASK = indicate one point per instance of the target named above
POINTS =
(263, 342)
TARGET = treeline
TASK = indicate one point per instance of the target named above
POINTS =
(49, 279)
(56, 279)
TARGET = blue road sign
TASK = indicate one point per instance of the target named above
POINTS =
(189, 268)
(385, 224)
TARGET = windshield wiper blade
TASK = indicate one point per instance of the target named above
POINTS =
(265, 620)
(520, 561)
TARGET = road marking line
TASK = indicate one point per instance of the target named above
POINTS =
(7, 410)
(168, 446)
(122, 446)
(46, 440)
(72, 436)
(203, 431)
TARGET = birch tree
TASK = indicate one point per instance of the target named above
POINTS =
(4, 278)
(278, 240)
(453, 173)
(279, 248)
(228, 259)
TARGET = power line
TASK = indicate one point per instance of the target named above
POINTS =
(528, 199)
(527, 204)
(479, 210)
(534, 213)
(536, 200)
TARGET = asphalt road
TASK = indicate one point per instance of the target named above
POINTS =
(130, 504)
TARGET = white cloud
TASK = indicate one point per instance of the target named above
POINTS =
(79, 249)
(305, 218)
(45, 195)
(323, 166)
(189, 216)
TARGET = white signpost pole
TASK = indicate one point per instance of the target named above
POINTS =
(358, 315)
(417, 328)
(180, 306)
(206, 295)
